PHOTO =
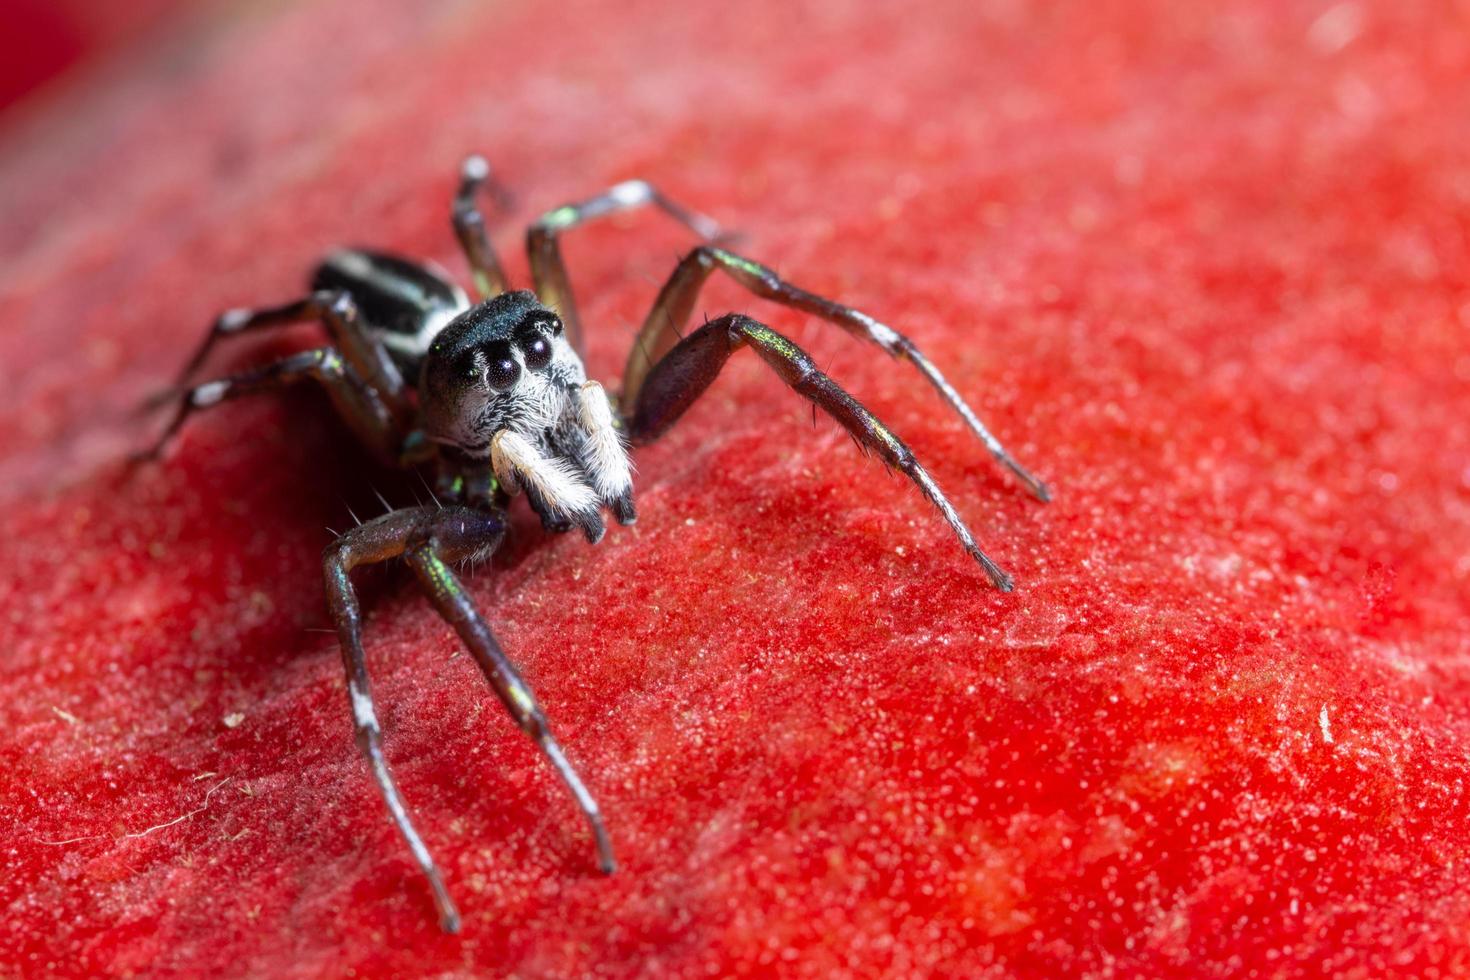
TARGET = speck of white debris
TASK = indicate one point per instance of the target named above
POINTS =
(234, 719)
(900, 550)
(688, 522)
(1326, 725)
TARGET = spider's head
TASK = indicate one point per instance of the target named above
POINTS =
(501, 364)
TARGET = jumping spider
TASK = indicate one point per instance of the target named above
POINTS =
(494, 394)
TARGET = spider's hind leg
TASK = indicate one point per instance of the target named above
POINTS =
(430, 539)
(359, 404)
(335, 310)
(686, 371)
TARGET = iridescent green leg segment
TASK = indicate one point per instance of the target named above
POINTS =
(360, 405)
(469, 226)
(456, 608)
(430, 539)
(549, 272)
(665, 324)
(686, 371)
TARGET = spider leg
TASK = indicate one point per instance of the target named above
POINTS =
(469, 225)
(549, 272)
(359, 404)
(683, 374)
(429, 539)
(337, 312)
(661, 331)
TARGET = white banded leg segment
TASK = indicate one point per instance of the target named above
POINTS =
(604, 456)
(342, 600)
(363, 714)
(370, 742)
(556, 490)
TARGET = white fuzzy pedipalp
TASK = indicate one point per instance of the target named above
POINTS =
(606, 458)
(519, 465)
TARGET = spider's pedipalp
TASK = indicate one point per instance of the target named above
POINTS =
(556, 489)
(687, 370)
(602, 453)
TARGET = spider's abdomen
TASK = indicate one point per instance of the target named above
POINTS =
(404, 302)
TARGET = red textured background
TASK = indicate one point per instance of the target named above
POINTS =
(1205, 269)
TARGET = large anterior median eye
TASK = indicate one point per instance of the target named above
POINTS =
(503, 367)
(534, 338)
(536, 349)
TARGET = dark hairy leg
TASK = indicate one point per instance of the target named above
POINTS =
(338, 314)
(429, 540)
(469, 226)
(549, 272)
(359, 404)
(665, 323)
(686, 371)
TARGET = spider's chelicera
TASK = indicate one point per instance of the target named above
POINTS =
(493, 394)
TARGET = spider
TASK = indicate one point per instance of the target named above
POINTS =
(494, 396)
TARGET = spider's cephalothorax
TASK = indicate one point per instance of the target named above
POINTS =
(502, 384)
(494, 395)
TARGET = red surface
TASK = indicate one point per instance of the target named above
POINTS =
(45, 39)
(1206, 270)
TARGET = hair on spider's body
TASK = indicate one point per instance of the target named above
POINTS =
(494, 395)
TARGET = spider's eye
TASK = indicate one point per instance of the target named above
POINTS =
(503, 371)
(468, 367)
(537, 351)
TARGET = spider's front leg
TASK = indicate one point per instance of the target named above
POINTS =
(549, 271)
(664, 325)
(430, 540)
(686, 372)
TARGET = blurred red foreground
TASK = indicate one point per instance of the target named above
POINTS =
(1205, 269)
